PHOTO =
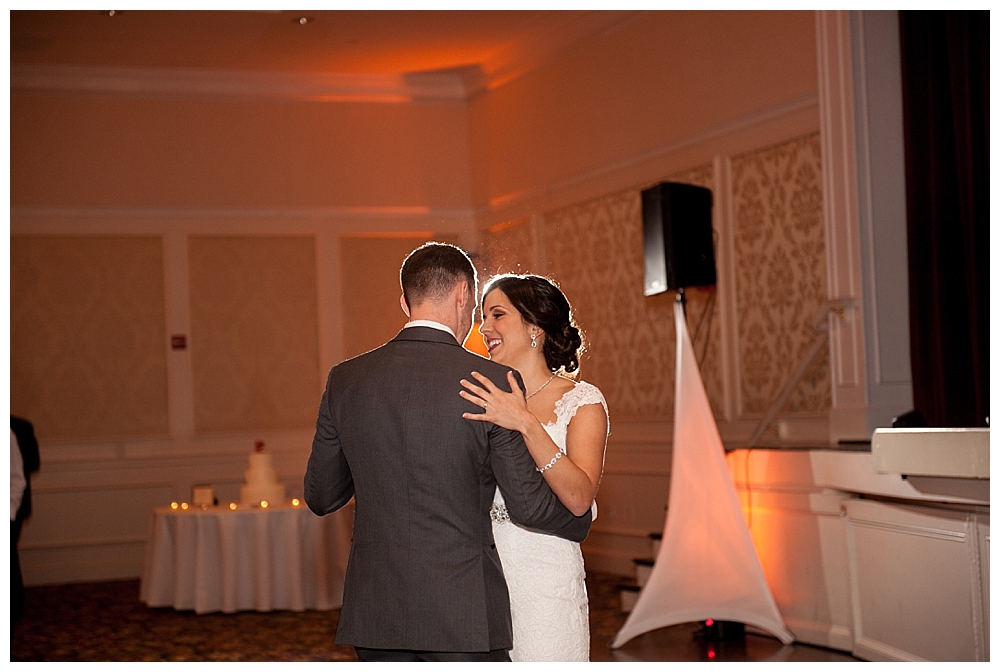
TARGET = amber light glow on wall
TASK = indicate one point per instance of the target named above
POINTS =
(475, 343)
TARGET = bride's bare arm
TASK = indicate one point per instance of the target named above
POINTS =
(573, 478)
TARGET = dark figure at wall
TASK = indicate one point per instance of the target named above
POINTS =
(24, 432)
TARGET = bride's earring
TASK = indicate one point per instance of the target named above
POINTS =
(534, 344)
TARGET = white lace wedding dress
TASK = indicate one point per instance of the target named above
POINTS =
(545, 575)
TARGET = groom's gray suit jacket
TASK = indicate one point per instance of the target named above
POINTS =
(423, 573)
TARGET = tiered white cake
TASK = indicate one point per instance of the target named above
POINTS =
(262, 483)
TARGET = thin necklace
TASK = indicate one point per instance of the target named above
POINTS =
(540, 388)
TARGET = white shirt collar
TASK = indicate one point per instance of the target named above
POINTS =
(432, 324)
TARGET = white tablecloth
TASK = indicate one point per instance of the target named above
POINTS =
(248, 559)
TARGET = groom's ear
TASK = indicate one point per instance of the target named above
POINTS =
(464, 294)
(402, 304)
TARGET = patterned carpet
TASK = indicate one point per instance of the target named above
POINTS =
(106, 622)
(97, 622)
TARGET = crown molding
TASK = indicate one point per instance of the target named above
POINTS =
(451, 85)
(186, 83)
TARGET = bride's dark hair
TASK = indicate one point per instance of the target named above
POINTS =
(543, 304)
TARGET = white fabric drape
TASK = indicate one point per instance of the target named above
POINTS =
(707, 566)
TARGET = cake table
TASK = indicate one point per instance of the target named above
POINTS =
(217, 559)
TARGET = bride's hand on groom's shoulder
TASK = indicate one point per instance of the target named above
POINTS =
(506, 409)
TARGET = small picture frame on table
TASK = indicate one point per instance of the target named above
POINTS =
(203, 496)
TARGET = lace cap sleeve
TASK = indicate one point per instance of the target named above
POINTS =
(581, 395)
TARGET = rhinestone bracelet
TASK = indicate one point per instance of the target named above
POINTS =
(552, 462)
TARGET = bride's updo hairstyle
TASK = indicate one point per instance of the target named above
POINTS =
(544, 305)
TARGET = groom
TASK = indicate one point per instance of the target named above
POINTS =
(424, 581)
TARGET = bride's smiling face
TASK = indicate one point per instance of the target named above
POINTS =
(506, 334)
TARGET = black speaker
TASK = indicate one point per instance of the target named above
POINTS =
(677, 237)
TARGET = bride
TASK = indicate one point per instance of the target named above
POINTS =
(528, 326)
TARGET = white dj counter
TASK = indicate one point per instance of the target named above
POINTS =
(882, 550)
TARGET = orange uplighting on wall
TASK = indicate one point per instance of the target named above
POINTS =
(475, 343)
(497, 228)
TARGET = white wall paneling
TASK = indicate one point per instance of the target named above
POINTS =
(92, 502)
(882, 213)
(983, 535)
(847, 366)
(916, 582)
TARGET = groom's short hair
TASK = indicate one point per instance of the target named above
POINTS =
(432, 270)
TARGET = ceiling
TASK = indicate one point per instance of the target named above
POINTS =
(498, 44)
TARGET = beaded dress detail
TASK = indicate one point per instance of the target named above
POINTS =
(545, 574)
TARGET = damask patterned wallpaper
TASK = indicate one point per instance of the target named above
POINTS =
(254, 332)
(88, 337)
(780, 268)
(512, 247)
(594, 251)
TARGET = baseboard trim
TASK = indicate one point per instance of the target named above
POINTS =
(115, 561)
(821, 634)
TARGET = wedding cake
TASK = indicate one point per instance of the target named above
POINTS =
(262, 483)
